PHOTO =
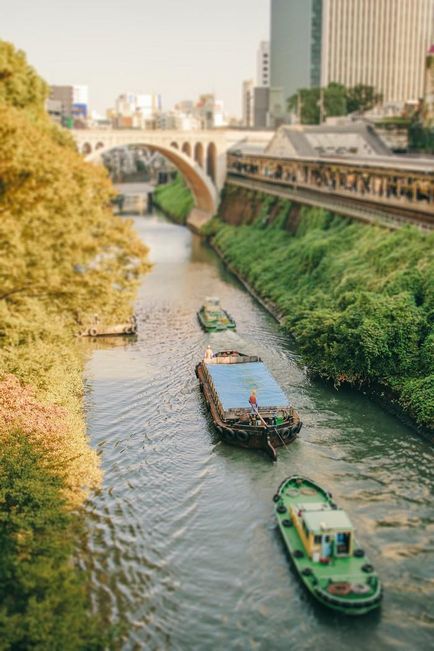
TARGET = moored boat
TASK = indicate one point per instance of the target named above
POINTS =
(226, 379)
(321, 542)
(98, 329)
(213, 318)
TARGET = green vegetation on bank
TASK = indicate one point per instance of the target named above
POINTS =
(175, 200)
(358, 299)
(63, 258)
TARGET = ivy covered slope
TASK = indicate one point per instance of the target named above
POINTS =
(175, 200)
(358, 299)
(63, 257)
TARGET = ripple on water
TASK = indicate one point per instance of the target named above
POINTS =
(182, 541)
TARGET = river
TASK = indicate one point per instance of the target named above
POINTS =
(182, 540)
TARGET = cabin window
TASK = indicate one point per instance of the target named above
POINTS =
(317, 540)
(343, 543)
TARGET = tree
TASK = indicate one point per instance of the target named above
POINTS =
(306, 102)
(338, 100)
(362, 98)
(335, 100)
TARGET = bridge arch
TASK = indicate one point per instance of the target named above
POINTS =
(174, 145)
(198, 153)
(186, 148)
(211, 161)
(203, 190)
(86, 149)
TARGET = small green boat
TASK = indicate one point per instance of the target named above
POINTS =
(320, 541)
(213, 318)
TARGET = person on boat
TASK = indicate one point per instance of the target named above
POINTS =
(208, 354)
(253, 402)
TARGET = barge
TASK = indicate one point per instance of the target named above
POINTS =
(321, 543)
(213, 318)
(226, 380)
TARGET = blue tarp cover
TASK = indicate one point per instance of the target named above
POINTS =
(234, 382)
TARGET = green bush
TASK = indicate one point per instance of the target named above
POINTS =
(358, 299)
(43, 595)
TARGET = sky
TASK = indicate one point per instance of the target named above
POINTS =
(178, 48)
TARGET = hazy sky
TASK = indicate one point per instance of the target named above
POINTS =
(178, 48)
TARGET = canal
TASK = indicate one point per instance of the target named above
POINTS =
(182, 541)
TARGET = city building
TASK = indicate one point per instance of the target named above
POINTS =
(379, 43)
(263, 64)
(54, 110)
(247, 103)
(136, 110)
(210, 112)
(429, 88)
(74, 103)
(295, 52)
(255, 100)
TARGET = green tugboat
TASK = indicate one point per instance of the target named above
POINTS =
(320, 540)
(213, 318)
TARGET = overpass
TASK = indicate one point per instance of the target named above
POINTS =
(200, 156)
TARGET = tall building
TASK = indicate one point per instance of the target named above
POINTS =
(247, 103)
(428, 94)
(74, 102)
(137, 110)
(380, 43)
(295, 51)
(263, 64)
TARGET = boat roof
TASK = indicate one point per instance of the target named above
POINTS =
(320, 521)
(234, 382)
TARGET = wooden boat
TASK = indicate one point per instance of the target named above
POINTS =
(98, 329)
(213, 318)
(320, 540)
(226, 380)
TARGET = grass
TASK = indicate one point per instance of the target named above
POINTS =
(358, 299)
(175, 200)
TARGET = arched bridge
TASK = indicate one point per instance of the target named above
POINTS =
(200, 156)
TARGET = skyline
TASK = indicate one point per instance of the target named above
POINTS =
(172, 49)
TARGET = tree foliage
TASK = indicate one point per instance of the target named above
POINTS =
(43, 595)
(63, 257)
(337, 101)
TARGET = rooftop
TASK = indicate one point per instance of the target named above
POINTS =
(317, 521)
(354, 139)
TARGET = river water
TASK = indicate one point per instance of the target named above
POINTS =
(182, 540)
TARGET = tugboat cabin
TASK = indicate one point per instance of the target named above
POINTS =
(212, 305)
(326, 533)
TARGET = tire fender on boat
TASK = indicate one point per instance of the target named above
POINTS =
(229, 433)
(339, 589)
(93, 332)
(243, 437)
